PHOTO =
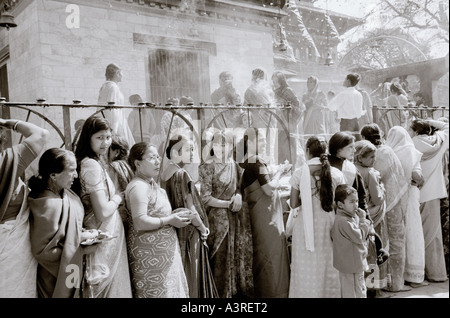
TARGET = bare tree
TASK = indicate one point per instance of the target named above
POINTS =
(417, 15)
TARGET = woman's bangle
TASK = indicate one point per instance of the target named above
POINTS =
(15, 125)
(161, 223)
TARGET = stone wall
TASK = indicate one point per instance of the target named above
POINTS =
(52, 61)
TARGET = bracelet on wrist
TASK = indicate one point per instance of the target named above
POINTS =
(14, 128)
(161, 223)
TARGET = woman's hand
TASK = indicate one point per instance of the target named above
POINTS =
(118, 199)
(86, 235)
(285, 167)
(417, 179)
(180, 219)
(236, 202)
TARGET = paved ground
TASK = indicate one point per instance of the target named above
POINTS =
(433, 290)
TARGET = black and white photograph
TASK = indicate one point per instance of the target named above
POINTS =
(224, 156)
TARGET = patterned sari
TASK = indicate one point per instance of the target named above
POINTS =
(230, 240)
(315, 116)
(393, 178)
(155, 258)
(107, 271)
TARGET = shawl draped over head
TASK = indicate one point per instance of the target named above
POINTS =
(400, 141)
(56, 224)
(8, 168)
(392, 175)
(313, 91)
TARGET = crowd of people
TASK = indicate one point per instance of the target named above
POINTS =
(121, 218)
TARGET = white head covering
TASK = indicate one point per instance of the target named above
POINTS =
(400, 141)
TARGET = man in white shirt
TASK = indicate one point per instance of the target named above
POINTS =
(348, 104)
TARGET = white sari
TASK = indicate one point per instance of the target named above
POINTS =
(15, 253)
(400, 141)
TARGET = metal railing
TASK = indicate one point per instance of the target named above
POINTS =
(64, 131)
(381, 116)
(387, 116)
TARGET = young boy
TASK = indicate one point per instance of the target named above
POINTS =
(349, 235)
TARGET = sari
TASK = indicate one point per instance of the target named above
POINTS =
(401, 143)
(396, 117)
(178, 185)
(121, 174)
(396, 185)
(270, 250)
(155, 257)
(293, 118)
(312, 272)
(107, 272)
(17, 264)
(230, 240)
(434, 188)
(56, 224)
(315, 119)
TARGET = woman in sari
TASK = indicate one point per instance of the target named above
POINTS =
(393, 178)
(57, 225)
(270, 251)
(312, 272)
(182, 193)
(230, 241)
(397, 99)
(155, 257)
(401, 143)
(285, 95)
(431, 137)
(107, 272)
(17, 264)
(316, 107)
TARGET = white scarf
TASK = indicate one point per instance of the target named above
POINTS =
(306, 197)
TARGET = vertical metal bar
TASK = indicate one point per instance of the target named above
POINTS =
(140, 123)
(67, 128)
(375, 113)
